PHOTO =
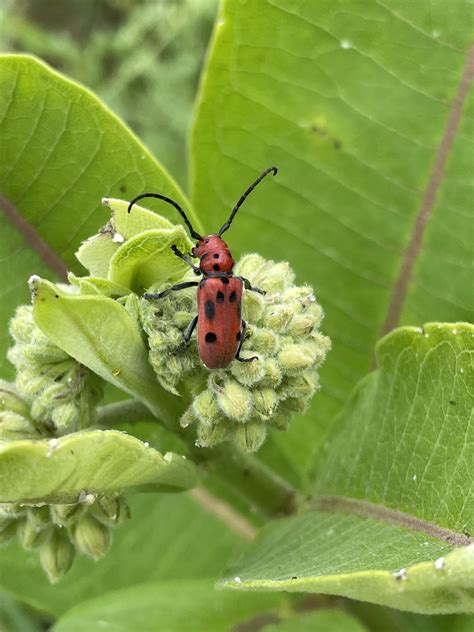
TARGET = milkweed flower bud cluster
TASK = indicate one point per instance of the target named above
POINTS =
(58, 532)
(244, 400)
(62, 393)
(53, 395)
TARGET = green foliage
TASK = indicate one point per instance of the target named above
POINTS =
(62, 470)
(350, 100)
(171, 606)
(374, 471)
(366, 110)
(142, 57)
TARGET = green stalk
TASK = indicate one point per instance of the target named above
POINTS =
(251, 483)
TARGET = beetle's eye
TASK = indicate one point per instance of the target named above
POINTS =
(206, 241)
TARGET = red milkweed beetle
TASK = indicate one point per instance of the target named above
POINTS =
(221, 330)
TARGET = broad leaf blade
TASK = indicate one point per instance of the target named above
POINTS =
(407, 439)
(172, 606)
(95, 461)
(62, 152)
(395, 490)
(321, 621)
(352, 103)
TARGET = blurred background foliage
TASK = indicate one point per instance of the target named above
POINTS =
(142, 57)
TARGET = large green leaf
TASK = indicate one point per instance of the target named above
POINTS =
(192, 606)
(395, 490)
(95, 461)
(363, 106)
(62, 151)
(168, 538)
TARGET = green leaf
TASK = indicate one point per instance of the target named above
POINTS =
(96, 252)
(172, 606)
(62, 151)
(365, 108)
(147, 259)
(99, 332)
(169, 537)
(321, 621)
(395, 490)
(96, 462)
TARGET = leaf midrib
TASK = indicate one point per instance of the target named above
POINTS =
(387, 515)
(428, 200)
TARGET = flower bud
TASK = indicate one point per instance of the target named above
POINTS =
(249, 437)
(303, 385)
(91, 537)
(14, 427)
(248, 373)
(65, 418)
(57, 555)
(111, 511)
(253, 306)
(205, 407)
(31, 537)
(278, 317)
(11, 401)
(235, 401)
(61, 392)
(210, 435)
(264, 341)
(265, 403)
(294, 358)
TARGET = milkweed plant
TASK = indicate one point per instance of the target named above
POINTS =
(63, 363)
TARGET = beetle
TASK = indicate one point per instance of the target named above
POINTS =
(221, 329)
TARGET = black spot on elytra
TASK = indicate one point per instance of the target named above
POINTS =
(210, 337)
(209, 309)
(225, 280)
(220, 296)
(216, 267)
(233, 297)
(216, 256)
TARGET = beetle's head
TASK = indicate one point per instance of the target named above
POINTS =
(214, 255)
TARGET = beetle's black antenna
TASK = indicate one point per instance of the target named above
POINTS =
(242, 199)
(173, 203)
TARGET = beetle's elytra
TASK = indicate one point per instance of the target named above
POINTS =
(221, 330)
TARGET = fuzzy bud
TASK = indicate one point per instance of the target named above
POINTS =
(249, 437)
(111, 511)
(235, 401)
(91, 537)
(62, 393)
(57, 555)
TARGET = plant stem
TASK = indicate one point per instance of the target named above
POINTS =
(249, 481)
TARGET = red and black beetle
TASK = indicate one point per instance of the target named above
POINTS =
(221, 330)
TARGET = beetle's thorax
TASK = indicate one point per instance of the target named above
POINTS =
(214, 255)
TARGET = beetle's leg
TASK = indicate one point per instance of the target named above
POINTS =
(248, 286)
(186, 259)
(174, 288)
(189, 330)
(241, 342)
